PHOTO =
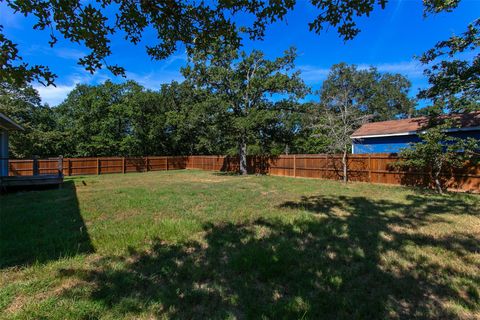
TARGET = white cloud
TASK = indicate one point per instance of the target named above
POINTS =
(60, 52)
(312, 74)
(68, 53)
(152, 80)
(178, 57)
(412, 69)
(54, 95)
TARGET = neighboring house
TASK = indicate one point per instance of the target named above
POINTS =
(6, 125)
(392, 136)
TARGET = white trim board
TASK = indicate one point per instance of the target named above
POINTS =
(408, 133)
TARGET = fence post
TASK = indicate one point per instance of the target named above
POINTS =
(146, 163)
(60, 166)
(123, 164)
(35, 166)
(348, 167)
(369, 167)
(69, 170)
(294, 165)
(98, 166)
(167, 163)
(326, 172)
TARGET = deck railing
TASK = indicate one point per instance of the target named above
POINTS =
(34, 166)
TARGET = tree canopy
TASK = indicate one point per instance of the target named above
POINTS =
(438, 153)
(350, 97)
(195, 24)
(453, 72)
(40, 135)
(244, 82)
(382, 96)
(242, 103)
(455, 79)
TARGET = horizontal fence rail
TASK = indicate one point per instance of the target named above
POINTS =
(373, 168)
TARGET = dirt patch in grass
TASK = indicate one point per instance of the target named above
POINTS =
(21, 300)
(67, 285)
(17, 303)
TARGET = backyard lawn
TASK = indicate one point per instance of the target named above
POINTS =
(193, 244)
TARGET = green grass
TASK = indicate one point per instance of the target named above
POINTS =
(191, 244)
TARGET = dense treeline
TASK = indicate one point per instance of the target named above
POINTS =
(194, 117)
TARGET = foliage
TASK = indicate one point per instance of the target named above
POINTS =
(196, 121)
(242, 97)
(433, 110)
(385, 95)
(126, 119)
(454, 82)
(98, 119)
(195, 24)
(244, 82)
(14, 71)
(437, 152)
(298, 133)
(350, 97)
(40, 135)
(454, 88)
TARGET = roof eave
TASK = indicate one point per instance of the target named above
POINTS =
(8, 124)
(407, 133)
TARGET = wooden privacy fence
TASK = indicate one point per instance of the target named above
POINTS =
(103, 165)
(374, 168)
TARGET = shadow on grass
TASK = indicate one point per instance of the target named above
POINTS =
(328, 265)
(226, 174)
(41, 226)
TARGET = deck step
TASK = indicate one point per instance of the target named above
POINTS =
(20, 181)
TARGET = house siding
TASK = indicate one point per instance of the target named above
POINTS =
(3, 152)
(394, 144)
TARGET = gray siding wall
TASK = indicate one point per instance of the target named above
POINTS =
(3, 153)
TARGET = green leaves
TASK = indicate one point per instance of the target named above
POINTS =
(455, 82)
(341, 14)
(40, 135)
(383, 96)
(14, 71)
(454, 88)
(436, 6)
(197, 25)
(245, 82)
(437, 152)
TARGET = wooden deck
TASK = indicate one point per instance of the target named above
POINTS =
(38, 180)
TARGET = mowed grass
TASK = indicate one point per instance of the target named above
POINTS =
(192, 244)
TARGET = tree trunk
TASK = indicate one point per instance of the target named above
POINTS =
(436, 172)
(438, 185)
(242, 153)
(344, 163)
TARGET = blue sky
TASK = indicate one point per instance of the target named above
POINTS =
(390, 39)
